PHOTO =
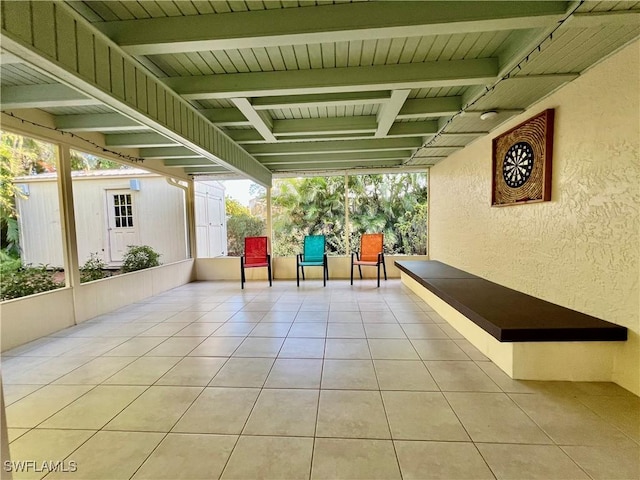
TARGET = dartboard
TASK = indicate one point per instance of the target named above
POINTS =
(517, 164)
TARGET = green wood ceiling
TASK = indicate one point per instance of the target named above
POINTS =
(317, 85)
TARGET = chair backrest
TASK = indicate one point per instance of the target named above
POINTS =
(255, 250)
(314, 248)
(371, 244)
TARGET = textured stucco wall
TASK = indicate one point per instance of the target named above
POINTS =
(580, 250)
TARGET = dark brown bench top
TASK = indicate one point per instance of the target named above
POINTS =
(506, 314)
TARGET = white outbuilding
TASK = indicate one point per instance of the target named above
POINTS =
(115, 209)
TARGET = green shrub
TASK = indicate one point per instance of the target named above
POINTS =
(139, 257)
(27, 281)
(93, 269)
(9, 263)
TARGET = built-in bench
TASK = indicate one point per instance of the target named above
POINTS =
(526, 336)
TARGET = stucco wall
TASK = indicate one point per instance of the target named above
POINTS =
(581, 250)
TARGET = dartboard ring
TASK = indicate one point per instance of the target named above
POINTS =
(518, 164)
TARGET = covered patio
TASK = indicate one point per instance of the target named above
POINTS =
(175, 372)
(205, 381)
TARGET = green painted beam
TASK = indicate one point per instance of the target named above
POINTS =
(336, 146)
(598, 19)
(389, 111)
(320, 100)
(97, 122)
(261, 121)
(43, 96)
(190, 162)
(166, 152)
(413, 129)
(306, 167)
(330, 24)
(430, 107)
(52, 36)
(335, 157)
(319, 126)
(138, 140)
(448, 73)
(226, 117)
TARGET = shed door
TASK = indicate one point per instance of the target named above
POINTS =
(122, 229)
(216, 214)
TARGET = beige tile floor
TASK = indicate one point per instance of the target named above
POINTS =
(208, 381)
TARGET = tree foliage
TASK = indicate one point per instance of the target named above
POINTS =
(393, 204)
(239, 227)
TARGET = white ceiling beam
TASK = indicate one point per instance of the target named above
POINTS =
(336, 146)
(7, 58)
(205, 170)
(138, 140)
(430, 107)
(97, 122)
(191, 162)
(320, 100)
(43, 96)
(330, 24)
(449, 73)
(261, 121)
(321, 126)
(167, 152)
(389, 111)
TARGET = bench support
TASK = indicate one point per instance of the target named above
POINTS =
(572, 361)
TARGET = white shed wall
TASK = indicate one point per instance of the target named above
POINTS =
(39, 222)
(159, 215)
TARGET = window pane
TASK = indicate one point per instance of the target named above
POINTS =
(393, 204)
(308, 206)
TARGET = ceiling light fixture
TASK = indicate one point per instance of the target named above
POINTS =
(488, 115)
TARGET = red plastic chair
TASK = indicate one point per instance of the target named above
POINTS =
(255, 256)
(371, 254)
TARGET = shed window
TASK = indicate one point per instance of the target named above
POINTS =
(123, 210)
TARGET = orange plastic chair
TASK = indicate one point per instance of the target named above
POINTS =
(255, 255)
(371, 254)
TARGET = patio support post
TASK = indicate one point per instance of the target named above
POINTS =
(190, 197)
(269, 234)
(67, 218)
(346, 214)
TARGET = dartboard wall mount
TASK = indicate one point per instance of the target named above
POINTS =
(521, 167)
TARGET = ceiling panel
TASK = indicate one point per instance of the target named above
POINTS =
(291, 61)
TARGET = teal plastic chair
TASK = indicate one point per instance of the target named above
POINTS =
(313, 255)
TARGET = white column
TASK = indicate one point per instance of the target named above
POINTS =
(67, 218)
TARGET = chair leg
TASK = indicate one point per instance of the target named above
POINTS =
(297, 275)
(378, 275)
(241, 275)
(360, 270)
(352, 271)
(384, 267)
(269, 272)
(302, 268)
(324, 274)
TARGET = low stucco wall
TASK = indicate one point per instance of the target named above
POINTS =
(27, 319)
(284, 268)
